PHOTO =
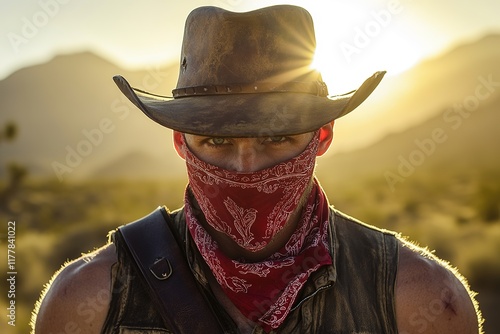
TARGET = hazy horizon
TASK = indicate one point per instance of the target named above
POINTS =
(355, 38)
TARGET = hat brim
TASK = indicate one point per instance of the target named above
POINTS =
(247, 115)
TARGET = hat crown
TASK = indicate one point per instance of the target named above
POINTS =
(248, 75)
(273, 44)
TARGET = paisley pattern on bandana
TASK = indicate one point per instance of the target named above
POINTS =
(233, 203)
(264, 291)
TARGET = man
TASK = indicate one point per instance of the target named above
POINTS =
(266, 250)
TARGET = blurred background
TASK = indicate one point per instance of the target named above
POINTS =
(77, 159)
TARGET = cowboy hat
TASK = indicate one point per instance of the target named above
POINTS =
(248, 75)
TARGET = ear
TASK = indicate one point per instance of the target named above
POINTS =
(179, 144)
(325, 138)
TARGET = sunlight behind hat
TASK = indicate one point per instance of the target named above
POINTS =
(248, 75)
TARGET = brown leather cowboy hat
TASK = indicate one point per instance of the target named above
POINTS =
(248, 75)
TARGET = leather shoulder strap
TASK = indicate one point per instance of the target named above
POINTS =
(169, 279)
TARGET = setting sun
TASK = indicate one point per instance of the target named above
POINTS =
(353, 44)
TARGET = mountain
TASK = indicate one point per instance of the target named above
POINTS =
(453, 141)
(412, 97)
(72, 118)
(74, 123)
(444, 114)
(136, 165)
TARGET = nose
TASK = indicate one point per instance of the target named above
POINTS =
(246, 156)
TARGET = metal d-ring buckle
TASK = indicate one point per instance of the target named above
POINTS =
(161, 269)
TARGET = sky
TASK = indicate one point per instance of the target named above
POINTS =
(355, 37)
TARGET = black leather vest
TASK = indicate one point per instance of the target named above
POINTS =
(353, 295)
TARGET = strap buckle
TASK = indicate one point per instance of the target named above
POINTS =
(161, 269)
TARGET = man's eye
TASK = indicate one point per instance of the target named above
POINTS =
(217, 141)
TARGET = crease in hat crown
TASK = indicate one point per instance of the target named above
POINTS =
(248, 74)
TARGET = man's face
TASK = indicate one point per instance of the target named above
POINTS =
(251, 154)
(247, 154)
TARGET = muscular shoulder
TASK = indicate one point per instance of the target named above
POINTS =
(76, 299)
(431, 297)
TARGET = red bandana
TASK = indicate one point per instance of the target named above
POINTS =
(252, 208)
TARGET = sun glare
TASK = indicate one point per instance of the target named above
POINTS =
(353, 43)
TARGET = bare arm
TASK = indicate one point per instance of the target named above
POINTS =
(77, 298)
(431, 297)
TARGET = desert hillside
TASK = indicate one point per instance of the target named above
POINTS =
(75, 124)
